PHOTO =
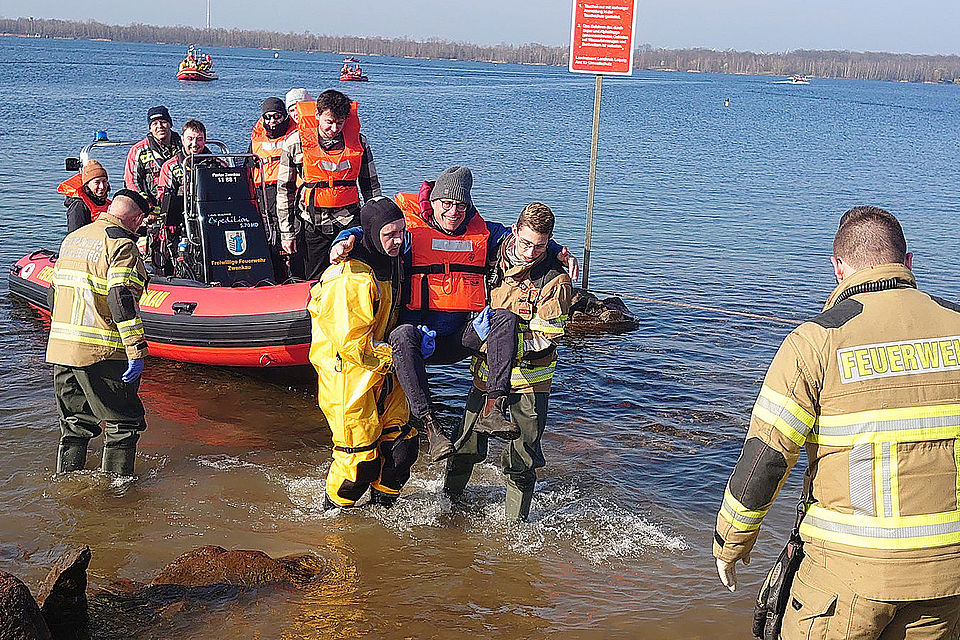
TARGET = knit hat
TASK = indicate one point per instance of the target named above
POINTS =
(159, 112)
(297, 95)
(91, 170)
(274, 105)
(453, 184)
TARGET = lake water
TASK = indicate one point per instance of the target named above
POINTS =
(729, 207)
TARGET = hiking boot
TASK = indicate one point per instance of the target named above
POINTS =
(440, 445)
(493, 420)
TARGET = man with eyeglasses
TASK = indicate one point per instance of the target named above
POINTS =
(146, 158)
(445, 317)
(533, 286)
(266, 142)
(334, 164)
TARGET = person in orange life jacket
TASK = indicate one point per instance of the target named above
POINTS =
(335, 163)
(144, 160)
(86, 195)
(428, 335)
(266, 140)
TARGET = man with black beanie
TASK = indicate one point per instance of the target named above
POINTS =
(144, 160)
(266, 141)
(353, 308)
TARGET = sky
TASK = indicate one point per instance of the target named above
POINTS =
(920, 26)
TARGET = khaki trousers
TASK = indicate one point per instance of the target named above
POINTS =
(823, 607)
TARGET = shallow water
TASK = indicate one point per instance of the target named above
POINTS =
(724, 207)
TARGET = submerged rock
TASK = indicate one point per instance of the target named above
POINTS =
(589, 314)
(20, 617)
(211, 565)
(63, 596)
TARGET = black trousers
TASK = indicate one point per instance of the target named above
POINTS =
(317, 243)
(87, 396)
(410, 365)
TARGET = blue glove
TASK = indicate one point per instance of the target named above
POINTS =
(481, 324)
(428, 340)
(134, 369)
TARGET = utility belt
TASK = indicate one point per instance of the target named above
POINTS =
(775, 591)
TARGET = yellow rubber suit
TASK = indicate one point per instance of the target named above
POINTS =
(351, 314)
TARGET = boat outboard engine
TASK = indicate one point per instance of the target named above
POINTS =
(227, 228)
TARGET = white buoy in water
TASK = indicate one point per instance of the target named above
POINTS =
(276, 55)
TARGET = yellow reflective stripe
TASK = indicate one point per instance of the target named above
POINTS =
(519, 376)
(86, 335)
(909, 424)
(956, 458)
(131, 329)
(784, 413)
(739, 516)
(121, 276)
(554, 326)
(79, 280)
(899, 532)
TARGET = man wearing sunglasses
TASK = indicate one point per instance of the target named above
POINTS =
(445, 317)
(266, 142)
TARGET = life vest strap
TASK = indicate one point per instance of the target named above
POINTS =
(369, 447)
(329, 184)
(453, 268)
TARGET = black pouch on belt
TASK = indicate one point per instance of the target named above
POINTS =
(775, 592)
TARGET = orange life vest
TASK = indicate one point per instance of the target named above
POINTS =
(72, 187)
(268, 150)
(447, 271)
(329, 178)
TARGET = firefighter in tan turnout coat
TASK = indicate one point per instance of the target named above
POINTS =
(870, 389)
(96, 341)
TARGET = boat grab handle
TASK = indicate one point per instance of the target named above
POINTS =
(184, 307)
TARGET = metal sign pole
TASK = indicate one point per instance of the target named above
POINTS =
(592, 182)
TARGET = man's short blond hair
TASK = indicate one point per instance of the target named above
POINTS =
(869, 236)
(538, 217)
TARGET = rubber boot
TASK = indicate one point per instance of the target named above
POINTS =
(440, 445)
(71, 457)
(493, 421)
(329, 504)
(381, 499)
(457, 476)
(118, 460)
(519, 497)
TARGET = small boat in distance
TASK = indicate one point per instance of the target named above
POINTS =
(352, 73)
(196, 66)
(796, 79)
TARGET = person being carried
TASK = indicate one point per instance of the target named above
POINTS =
(334, 162)
(266, 140)
(870, 389)
(96, 342)
(353, 308)
(533, 285)
(86, 195)
(146, 158)
(445, 318)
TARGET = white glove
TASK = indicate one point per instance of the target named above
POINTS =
(728, 572)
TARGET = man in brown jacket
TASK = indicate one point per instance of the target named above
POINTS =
(870, 388)
(96, 341)
(531, 283)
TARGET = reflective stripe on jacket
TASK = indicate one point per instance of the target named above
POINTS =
(329, 177)
(97, 279)
(539, 293)
(871, 389)
(447, 272)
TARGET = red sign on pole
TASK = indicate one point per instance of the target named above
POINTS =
(601, 38)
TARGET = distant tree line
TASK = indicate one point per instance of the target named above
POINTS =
(824, 64)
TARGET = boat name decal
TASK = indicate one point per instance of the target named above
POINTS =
(153, 299)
